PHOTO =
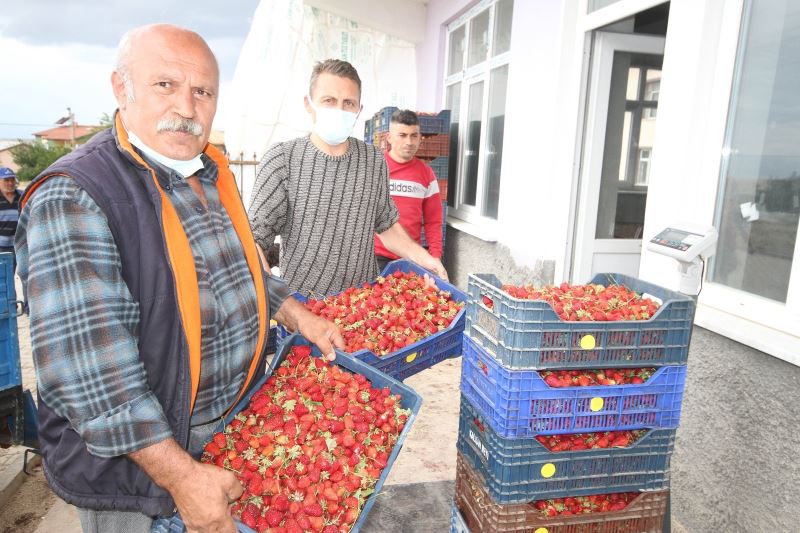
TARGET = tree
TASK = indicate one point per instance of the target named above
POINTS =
(106, 121)
(33, 158)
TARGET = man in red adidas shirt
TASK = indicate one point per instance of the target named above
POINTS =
(412, 186)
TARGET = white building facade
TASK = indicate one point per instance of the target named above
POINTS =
(584, 128)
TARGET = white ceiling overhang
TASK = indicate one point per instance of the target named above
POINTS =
(400, 18)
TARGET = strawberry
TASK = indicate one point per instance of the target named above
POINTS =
(220, 440)
(250, 515)
(212, 448)
(273, 517)
(254, 486)
(314, 509)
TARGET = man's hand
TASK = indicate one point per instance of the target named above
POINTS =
(203, 499)
(397, 241)
(201, 492)
(321, 332)
(294, 316)
(434, 265)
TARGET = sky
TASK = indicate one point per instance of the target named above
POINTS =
(60, 53)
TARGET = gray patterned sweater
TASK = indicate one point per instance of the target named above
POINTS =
(326, 210)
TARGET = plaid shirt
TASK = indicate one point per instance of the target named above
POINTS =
(84, 321)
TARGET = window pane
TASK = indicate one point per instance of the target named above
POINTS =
(594, 5)
(643, 170)
(632, 92)
(452, 101)
(652, 88)
(472, 147)
(503, 11)
(759, 207)
(494, 140)
(478, 38)
(456, 60)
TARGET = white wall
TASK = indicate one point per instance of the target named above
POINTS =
(541, 117)
(430, 52)
(535, 187)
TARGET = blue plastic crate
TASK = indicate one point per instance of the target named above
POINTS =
(369, 131)
(440, 167)
(483, 515)
(457, 524)
(521, 470)
(519, 404)
(382, 119)
(409, 399)
(429, 123)
(434, 123)
(528, 334)
(425, 353)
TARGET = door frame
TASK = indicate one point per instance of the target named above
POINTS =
(604, 44)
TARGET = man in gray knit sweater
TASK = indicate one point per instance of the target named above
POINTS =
(327, 194)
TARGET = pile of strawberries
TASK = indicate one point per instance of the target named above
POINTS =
(587, 378)
(309, 448)
(396, 311)
(585, 303)
(590, 441)
(599, 503)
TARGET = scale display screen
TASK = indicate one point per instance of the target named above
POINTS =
(677, 239)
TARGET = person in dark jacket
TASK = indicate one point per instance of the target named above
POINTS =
(149, 308)
(9, 209)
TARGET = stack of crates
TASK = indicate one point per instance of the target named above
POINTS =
(434, 148)
(506, 404)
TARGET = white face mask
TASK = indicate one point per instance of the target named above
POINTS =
(184, 168)
(333, 126)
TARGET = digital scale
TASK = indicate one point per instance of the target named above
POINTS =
(690, 245)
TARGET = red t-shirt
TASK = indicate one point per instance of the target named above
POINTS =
(415, 192)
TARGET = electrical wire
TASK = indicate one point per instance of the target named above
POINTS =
(702, 275)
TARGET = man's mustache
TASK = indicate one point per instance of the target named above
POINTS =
(181, 125)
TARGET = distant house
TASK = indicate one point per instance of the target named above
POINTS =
(66, 135)
(6, 158)
(217, 138)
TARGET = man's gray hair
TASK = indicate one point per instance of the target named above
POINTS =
(125, 50)
(123, 56)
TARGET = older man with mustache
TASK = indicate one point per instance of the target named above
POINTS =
(149, 306)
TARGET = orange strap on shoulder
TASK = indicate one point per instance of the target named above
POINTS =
(229, 196)
(181, 259)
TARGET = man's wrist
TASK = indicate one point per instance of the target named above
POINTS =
(167, 464)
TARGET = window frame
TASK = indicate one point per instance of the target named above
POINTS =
(468, 77)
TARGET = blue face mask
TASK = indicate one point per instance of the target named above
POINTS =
(333, 126)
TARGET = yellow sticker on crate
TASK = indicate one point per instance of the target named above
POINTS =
(548, 470)
(588, 342)
(411, 357)
(596, 404)
(541, 530)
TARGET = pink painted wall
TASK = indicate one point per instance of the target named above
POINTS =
(430, 52)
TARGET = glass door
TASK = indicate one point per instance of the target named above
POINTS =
(622, 109)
